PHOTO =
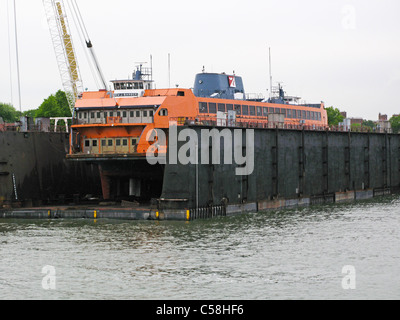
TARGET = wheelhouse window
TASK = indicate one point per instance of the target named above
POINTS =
(203, 107)
(212, 108)
(238, 109)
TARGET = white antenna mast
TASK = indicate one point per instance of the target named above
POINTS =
(270, 74)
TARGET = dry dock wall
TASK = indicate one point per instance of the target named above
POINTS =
(292, 168)
(34, 171)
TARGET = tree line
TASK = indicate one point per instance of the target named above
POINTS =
(56, 105)
(335, 117)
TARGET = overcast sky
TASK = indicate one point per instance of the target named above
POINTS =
(345, 53)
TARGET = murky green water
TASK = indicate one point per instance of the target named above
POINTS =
(287, 254)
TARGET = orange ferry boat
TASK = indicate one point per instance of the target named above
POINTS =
(114, 125)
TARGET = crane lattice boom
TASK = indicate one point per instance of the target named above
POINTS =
(64, 49)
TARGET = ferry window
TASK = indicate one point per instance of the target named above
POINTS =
(137, 114)
(124, 142)
(308, 115)
(229, 107)
(80, 115)
(87, 143)
(141, 85)
(136, 85)
(118, 114)
(124, 114)
(312, 115)
(283, 111)
(164, 112)
(94, 143)
(212, 108)
(245, 110)
(303, 115)
(98, 115)
(84, 115)
(134, 142)
(265, 112)
(289, 113)
(238, 109)
(221, 107)
(129, 86)
(116, 86)
(103, 143)
(105, 114)
(298, 114)
(131, 114)
(277, 110)
(203, 107)
(151, 113)
(319, 115)
(181, 93)
(111, 114)
(118, 142)
(144, 113)
(92, 115)
(259, 111)
(252, 110)
(271, 110)
(110, 143)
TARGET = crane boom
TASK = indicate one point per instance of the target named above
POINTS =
(64, 50)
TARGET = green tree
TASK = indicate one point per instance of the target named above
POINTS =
(8, 113)
(334, 116)
(54, 106)
(395, 122)
(369, 124)
(356, 127)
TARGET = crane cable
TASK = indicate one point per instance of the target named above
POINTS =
(84, 46)
(16, 48)
(9, 50)
(88, 41)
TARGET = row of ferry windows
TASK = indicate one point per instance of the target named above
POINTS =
(245, 110)
(109, 142)
(123, 114)
(128, 85)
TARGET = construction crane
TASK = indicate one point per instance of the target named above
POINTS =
(64, 49)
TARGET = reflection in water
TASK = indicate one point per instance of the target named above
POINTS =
(287, 254)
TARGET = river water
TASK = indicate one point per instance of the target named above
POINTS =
(287, 254)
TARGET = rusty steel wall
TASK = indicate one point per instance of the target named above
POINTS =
(33, 169)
